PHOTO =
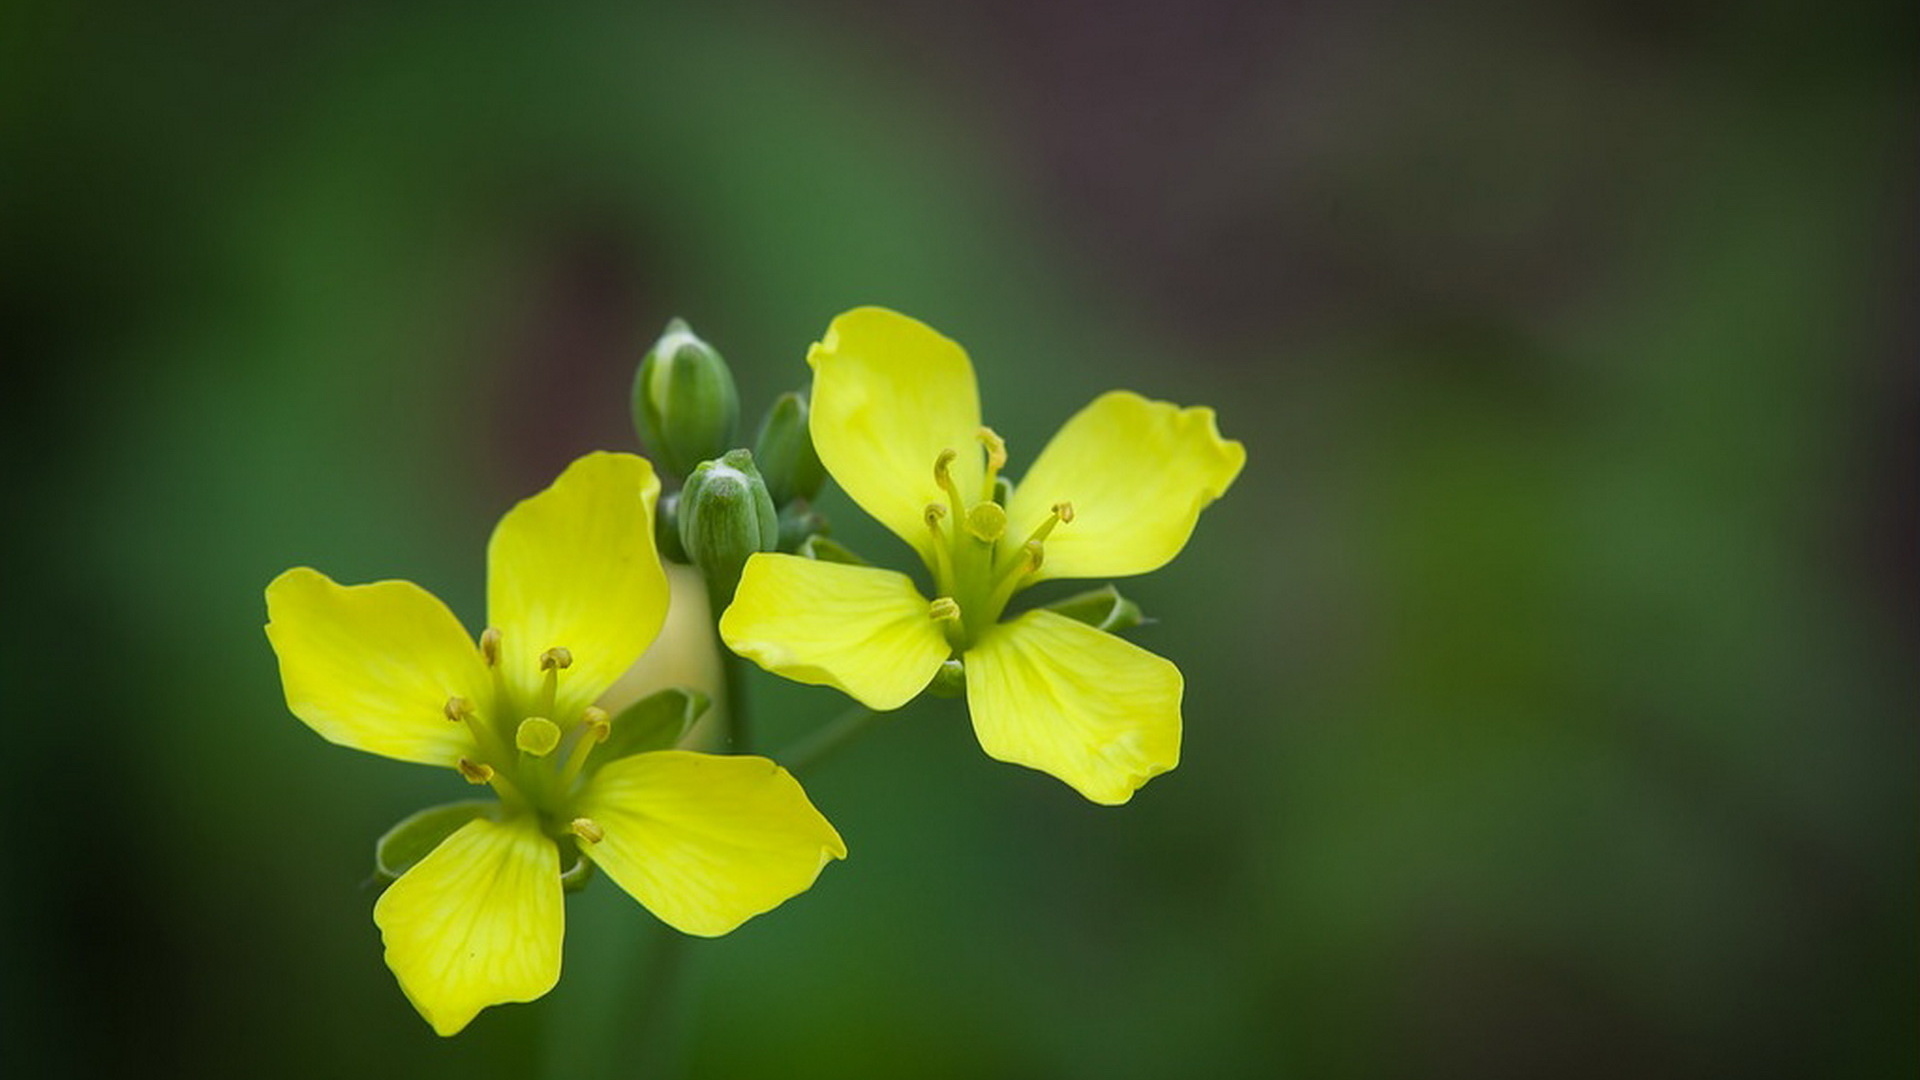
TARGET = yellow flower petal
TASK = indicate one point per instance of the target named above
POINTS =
(859, 629)
(1137, 472)
(1057, 695)
(477, 922)
(889, 394)
(372, 666)
(706, 842)
(574, 567)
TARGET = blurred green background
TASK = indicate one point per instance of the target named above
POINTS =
(1550, 670)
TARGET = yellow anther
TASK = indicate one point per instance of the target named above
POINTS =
(458, 709)
(537, 735)
(597, 723)
(943, 475)
(587, 829)
(556, 659)
(987, 521)
(996, 451)
(1062, 513)
(490, 646)
(1036, 554)
(945, 609)
(475, 772)
(935, 514)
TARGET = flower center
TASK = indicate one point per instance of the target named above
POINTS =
(530, 756)
(976, 570)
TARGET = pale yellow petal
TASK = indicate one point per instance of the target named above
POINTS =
(1057, 695)
(574, 567)
(861, 630)
(1137, 472)
(889, 394)
(706, 842)
(372, 666)
(477, 922)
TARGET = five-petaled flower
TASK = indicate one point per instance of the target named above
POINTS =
(575, 593)
(896, 421)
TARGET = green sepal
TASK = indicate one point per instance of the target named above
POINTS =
(415, 836)
(656, 722)
(579, 868)
(950, 681)
(784, 451)
(825, 549)
(1103, 609)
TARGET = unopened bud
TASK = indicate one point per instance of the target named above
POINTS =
(726, 515)
(784, 452)
(685, 408)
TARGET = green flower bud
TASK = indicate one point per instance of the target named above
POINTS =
(784, 452)
(725, 516)
(685, 408)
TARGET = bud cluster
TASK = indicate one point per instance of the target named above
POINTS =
(733, 502)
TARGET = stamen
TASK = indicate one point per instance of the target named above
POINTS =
(537, 735)
(490, 646)
(943, 475)
(996, 459)
(596, 723)
(1032, 555)
(987, 522)
(475, 772)
(945, 609)
(556, 658)
(587, 829)
(1062, 515)
(461, 711)
(942, 557)
(594, 728)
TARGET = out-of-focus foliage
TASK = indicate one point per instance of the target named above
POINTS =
(1550, 705)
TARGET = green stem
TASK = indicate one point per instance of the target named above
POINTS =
(820, 743)
(739, 719)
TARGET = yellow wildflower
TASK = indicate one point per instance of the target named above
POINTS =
(896, 421)
(575, 593)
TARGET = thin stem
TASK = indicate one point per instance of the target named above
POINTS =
(739, 719)
(817, 745)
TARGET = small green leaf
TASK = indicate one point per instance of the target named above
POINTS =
(415, 836)
(655, 722)
(1103, 609)
(823, 549)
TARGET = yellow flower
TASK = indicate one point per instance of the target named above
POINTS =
(575, 593)
(896, 420)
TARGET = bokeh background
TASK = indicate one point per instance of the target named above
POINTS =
(1551, 699)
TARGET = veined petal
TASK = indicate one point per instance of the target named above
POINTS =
(1057, 695)
(477, 922)
(372, 666)
(574, 567)
(1137, 472)
(889, 394)
(859, 629)
(706, 842)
